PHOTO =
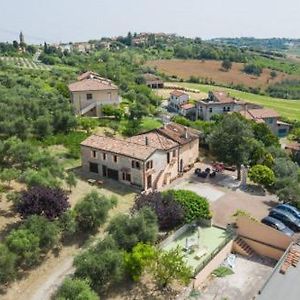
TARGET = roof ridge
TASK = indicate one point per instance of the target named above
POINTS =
(122, 140)
(159, 138)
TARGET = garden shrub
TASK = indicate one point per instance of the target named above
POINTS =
(127, 231)
(75, 289)
(195, 206)
(169, 212)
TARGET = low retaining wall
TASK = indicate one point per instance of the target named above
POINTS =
(174, 236)
(213, 264)
(183, 229)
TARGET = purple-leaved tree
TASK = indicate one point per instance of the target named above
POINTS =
(43, 201)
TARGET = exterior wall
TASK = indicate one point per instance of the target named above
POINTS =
(176, 102)
(171, 169)
(162, 173)
(189, 153)
(264, 250)
(212, 265)
(155, 84)
(104, 97)
(272, 124)
(259, 232)
(123, 162)
(188, 112)
(282, 130)
(207, 110)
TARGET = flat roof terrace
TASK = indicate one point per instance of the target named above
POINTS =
(200, 244)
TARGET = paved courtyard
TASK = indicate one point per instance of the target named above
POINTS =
(225, 197)
(249, 276)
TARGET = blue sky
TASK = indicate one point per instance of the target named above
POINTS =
(79, 20)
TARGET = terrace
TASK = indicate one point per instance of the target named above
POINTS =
(200, 244)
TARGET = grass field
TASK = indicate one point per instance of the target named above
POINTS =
(211, 70)
(287, 108)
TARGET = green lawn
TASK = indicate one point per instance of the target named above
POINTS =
(150, 124)
(287, 108)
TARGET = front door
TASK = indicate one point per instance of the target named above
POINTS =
(181, 166)
(149, 182)
(113, 174)
(104, 171)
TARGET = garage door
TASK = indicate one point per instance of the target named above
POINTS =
(113, 174)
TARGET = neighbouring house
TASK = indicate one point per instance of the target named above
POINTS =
(153, 81)
(217, 103)
(90, 92)
(293, 149)
(148, 161)
(188, 140)
(179, 103)
(83, 47)
(177, 98)
(188, 110)
(270, 118)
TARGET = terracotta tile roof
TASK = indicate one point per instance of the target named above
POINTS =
(92, 84)
(86, 75)
(187, 106)
(151, 77)
(293, 146)
(178, 93)
(263, 113)
(179, 133)
(223, 97)
(246, 114)
(154, 139)
(117, 146)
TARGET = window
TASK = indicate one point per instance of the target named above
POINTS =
(115, 158)
(224, 108)
(174, 153)
(89, 96)
(104, 156)
(94, 168)
(270, 121)
(93, 154)
(228, 108)
(126, 176)
(168, 157)
(149, 165)
(210, 109)
(135, 164)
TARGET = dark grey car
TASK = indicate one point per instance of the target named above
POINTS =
(286, 218)
(278, 225)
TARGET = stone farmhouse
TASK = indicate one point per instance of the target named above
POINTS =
(147, 161)
(269, 117)
(218, 103)
(179, 103)
(90, 92)
(153, 81)
(221, 102)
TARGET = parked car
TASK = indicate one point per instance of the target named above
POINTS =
(286, 218)
(290, 209)
(278, 225)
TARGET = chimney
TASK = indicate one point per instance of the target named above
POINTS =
(186, 133)
(146, 141)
